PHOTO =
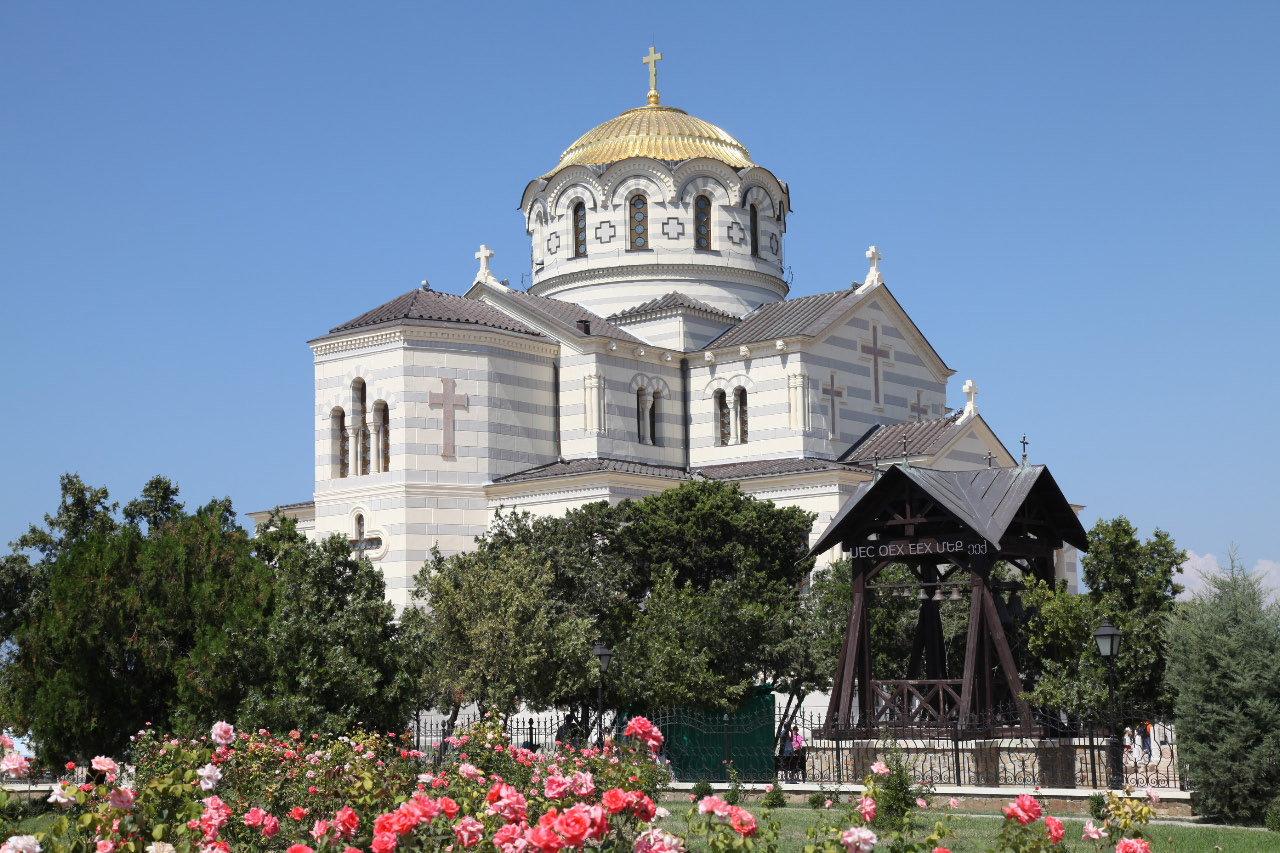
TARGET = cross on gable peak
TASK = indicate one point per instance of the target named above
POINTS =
(970, 389)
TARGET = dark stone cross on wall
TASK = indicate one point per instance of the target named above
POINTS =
(876, 352)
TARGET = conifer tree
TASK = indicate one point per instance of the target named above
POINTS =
(1224, 673)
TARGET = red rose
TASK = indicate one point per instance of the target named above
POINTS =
(544, 838)
(449, 807)
(574, 825)
(614, 800)
(383, 842)
(297, 812)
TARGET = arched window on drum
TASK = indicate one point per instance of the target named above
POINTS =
(755, 231)
(638, 223)
(579, 230)
(702, 222)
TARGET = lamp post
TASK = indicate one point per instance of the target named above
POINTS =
(603, 654)
(1108, 639)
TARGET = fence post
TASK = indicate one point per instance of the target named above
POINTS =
(839, 759)
(955, 751)
(1093, 758)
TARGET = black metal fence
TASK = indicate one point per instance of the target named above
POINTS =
(1006, 748)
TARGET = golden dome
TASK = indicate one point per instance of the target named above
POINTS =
(663, 133)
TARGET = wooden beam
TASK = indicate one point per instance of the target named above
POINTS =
(978, 590)
(1006, 657)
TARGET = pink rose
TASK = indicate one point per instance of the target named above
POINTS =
(1152, 796)
(254, 817)
(469, 831)
(583, 784)
(299, 848)
(1053, 829)
(953, 803)
(1092, 833)
(15, 765)
(921, 804)
(319, 829)
(542, 837)
(742, 821)
(270, 826)
(859, 839)
(383, 842)
(347, 821)
(867, 808)
(556, 787)
(121, 798)
(1133, 845)
(103, 764)
(223, 734)
(104, 846)
(1023, 809)
(880, 768)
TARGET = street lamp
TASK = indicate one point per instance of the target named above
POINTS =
(1108, 639)
(603, 654)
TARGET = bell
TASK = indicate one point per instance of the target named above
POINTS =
(955, 593)
(924, 596)
(937, 594)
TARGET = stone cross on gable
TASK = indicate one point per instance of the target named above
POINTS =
(970, 389)
(832, 393)
(448, 401)
(918, 408)
(483, 257)
(873, 276)
(876, 352)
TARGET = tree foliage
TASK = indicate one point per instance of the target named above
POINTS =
(695, 589)
(1224, 674)
(113, 619)
(1131, 582)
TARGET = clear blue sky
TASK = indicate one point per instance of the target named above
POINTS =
(1076, 202)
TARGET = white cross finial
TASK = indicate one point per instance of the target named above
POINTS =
(483, 257)
(874, 277)
(970, 389)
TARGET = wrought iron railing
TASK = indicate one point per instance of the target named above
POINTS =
(1001, 748)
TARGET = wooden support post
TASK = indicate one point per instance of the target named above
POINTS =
(978, 589)
(841, 706)
(1005, 654)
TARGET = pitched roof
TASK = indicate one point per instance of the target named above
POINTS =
(985, 500)
(674, 299)
(566, 467)
(766, 467)
(807, 315)
(924, 438)
(426, 307)
(565, 316)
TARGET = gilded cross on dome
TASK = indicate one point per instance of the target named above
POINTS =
(652, 61)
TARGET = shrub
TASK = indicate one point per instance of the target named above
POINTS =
(1273, 815)
(895, 793)
(817, 800)
(1097, 806)
(734, 794)
(701, 788)
(773, 798)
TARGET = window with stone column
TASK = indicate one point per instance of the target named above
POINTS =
(740, 406)
(337, 443)
(722, 418)
(381, 436)
(654, 438)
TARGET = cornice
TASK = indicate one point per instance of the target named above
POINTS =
(641, 272)
(513, 341)
(668, 313)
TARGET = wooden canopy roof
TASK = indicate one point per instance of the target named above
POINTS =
(986, 501)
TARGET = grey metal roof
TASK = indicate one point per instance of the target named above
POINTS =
(985, 500)
(427, 307)
(565, 316)
(567, 467)
(807, 315)
(924, 438)
(767, 467)
(674, 299)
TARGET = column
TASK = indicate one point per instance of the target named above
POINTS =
(735, 418)
(593, 404)
(376, 450)
(353, 451)
(644, 401)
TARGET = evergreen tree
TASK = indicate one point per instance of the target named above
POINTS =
(1224, 674)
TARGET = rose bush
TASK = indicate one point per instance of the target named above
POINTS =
(258, 791)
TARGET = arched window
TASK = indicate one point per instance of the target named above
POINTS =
(359, 454)
(642, 417)
(702, 222)
(638, 213)
(740, 403)
(653, 419)
(579, 230)
(722, 418)
(755, 231)
(337, 443)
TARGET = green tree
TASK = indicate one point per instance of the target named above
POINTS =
(1131, 582)
(330, 655)
(695, 589)
(117, 627)
(1224, 674)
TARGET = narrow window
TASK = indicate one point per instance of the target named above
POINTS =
(653, 419)
(755, 231)
(579, 230)
(384, 442)
(702, 222)
(364, 450)
(740, 403)
(722, 419)
(639, 210)
(359, 455)
(641, 415)
(338, 443)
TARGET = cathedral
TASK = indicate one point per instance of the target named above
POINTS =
(655, 344)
